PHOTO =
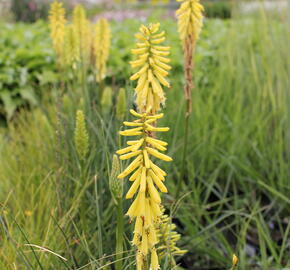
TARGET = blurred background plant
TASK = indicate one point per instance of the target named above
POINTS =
(29, 10)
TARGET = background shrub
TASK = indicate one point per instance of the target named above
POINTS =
(218, 9)
(26, 65)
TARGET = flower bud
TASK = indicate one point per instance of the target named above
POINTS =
(81, 136)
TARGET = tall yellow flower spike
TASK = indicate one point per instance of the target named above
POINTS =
(146, 179)
(102, 45)
(190, 16)
(153, 68)
(83, 33)
(57, 27)
(71, 47)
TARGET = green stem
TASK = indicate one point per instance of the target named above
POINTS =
(119, 234)
(99, 223)
(185, 142)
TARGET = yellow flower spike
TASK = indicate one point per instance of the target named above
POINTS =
(71, 47)
(57, 23)
(190, 15)
(102, 43)
(146, 177)
(152, 73)
(83, 32)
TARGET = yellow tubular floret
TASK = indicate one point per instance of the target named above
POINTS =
(153, 68)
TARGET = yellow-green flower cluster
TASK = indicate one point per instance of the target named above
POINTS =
(81, 136)
(153, 68)
(146, 178)
(102, 45)
(57, 26)
(168, 238)
(78, 43)
(190, 16)
(83, 30)
(116, 186)
(71, 47)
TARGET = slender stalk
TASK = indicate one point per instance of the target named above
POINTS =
(99, 223)
(119, 234)
(189, 46)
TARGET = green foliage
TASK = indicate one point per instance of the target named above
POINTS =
(218, 9)
(29, 10)
(26, 66)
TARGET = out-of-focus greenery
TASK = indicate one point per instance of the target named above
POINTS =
(26, 65)
(218, 9)
(29, 10)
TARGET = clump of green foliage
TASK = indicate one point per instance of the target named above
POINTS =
(26, 67)
(218, 9)
(29, 10)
